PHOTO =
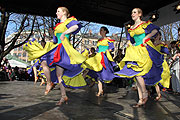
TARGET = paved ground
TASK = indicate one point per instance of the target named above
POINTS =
(22, 100)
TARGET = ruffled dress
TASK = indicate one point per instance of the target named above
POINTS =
(91, 73)
(102, 63)
(37, 64)
(147, 62)
(61, 54)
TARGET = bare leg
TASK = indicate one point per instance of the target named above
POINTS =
(142, 87)
(42, 81)
(100, 87)
(139, 92)
(35, 75)
(47, 74)
(47, 71)
(158, 92)
(140, 102)
(64, 98)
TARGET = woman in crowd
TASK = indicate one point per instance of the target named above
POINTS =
(142, 60)
(175, 65)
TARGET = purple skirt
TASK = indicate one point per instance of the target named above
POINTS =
(70, 70)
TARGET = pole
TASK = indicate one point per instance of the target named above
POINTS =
(120, 39)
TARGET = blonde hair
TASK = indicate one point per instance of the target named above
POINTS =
(139, 11)
(64, 9)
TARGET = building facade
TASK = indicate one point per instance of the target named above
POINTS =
(80, 43)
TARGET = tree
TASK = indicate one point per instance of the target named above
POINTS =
(23, 23)
(44, 26)
(169, 31)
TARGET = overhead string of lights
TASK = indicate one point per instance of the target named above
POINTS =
(154, 16)
(177, 8)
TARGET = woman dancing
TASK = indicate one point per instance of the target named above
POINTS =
(142, 60)
(163, 49)
(63, 56)
(102, 63)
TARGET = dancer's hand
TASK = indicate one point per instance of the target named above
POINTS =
(144, 42)
(62, 37)
(110, 50)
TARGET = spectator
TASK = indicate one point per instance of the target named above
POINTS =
(175, 64)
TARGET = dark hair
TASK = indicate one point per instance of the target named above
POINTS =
(105, 28)
(92, 49)
(176, 43)
(173, 42)
(43, 40)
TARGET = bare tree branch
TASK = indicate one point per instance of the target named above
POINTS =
(32, 28)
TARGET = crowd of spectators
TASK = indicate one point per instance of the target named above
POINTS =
(8, 73)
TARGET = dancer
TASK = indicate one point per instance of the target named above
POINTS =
(68, 65)
(90, 75)
(163, 49)
(102, 62)
(142, 60)
(62, 55)
(39, 53)
(36, 71)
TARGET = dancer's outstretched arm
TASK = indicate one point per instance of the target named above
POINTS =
(70, 30)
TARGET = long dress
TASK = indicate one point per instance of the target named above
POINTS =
(61, 54)
(163, 49)
(147, 62)
(102, 63)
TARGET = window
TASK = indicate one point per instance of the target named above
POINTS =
(32, 36)
(24, 54)
(37, 36)
(94, 43)
(21, 36)
(20, 48)
(86, 42)
(19, 54)
(15, 49)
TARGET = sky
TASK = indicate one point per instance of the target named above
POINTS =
(95, 27)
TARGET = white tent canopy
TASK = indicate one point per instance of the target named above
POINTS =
(15, 63)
